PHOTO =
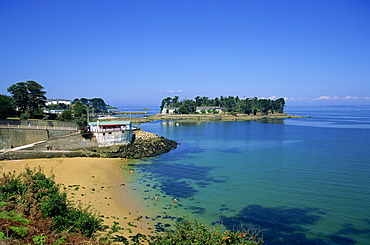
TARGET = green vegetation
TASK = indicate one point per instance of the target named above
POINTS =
(33, 210)
(29, 99)
(97, 105)
(228, 104)
(194, 233)
(6, 107)
(82, 108)
(59, 106)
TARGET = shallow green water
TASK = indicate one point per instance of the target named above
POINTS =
(302, 181)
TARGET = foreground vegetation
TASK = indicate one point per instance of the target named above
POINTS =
(34, 210)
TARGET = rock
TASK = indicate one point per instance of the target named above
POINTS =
(145, 145)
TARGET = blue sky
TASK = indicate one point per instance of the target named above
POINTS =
(137, 52)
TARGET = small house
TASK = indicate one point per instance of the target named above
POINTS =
(169, 110)
(208, 109)
(110, 133)
(57, 101)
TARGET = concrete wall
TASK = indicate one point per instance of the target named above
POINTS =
(23, 136)
(38, 123)
(17, 137)
(69, 142)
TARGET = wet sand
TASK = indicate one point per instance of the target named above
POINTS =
(97, 182)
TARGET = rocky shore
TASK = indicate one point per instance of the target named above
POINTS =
(145, 145)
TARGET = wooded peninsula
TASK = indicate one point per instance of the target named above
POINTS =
(228, 104)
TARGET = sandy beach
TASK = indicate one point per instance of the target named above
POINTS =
(97, 182)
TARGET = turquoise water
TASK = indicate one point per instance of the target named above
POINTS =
(302, 181)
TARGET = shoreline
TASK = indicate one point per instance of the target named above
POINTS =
(207, 117)
(221, 117)
(98, 183)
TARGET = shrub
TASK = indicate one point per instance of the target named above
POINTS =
(41, 196)
(194, 233)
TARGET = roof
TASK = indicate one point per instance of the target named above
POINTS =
(171, 108)
(57, 99)
(110, 123)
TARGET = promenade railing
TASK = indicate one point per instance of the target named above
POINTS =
(39, 127)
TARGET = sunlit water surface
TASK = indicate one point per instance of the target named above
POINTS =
(302, 181)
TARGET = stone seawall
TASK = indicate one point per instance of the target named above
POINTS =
(70, 142)
(22, 136)
(17, 137)
(41, 123)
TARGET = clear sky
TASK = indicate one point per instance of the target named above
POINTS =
(137, 52)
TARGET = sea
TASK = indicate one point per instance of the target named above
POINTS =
(293, 181)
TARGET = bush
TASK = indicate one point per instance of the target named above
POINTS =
(25, 116)
(194, 233)
(37, 195)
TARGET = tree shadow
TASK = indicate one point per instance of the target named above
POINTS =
(284, 225)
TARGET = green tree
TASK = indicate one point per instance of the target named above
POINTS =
(280, 105)
(231, 104)
(36, 97)
(85, 101)
(166, 102)
(80, 113)
(175, 100)
(19, 93)
(29, 97)
(98, 105)
(6, 107)
(67, 115)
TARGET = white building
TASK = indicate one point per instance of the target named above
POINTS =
(57, 101)
(208, 109)
(169, 110)
(110, 133)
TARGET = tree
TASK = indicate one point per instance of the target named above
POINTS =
(175, 100)
(28, 97)
(80, 113)
(231, 104)
(20, 96)
(280, 105)
(6, 107)
(66, 115)
(166, 102)
(98, 105)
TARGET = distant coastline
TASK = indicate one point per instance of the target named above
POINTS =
(208, 117)
(220, 117)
